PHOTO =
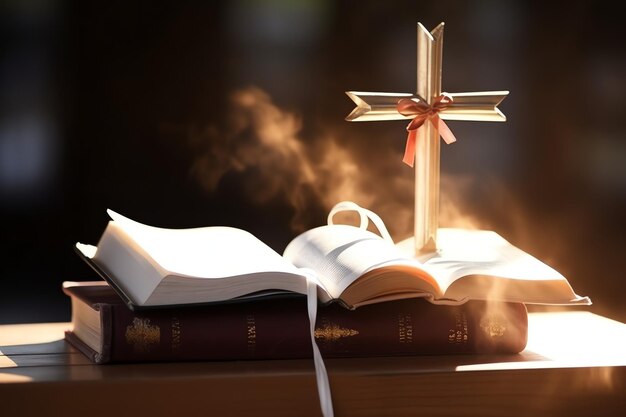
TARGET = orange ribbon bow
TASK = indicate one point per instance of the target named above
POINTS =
(423, 112)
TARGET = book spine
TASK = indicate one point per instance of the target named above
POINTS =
(279, 330)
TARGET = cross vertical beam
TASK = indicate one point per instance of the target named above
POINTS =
(481, 106)
(427, 145)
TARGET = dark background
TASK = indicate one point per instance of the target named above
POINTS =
(129, 105)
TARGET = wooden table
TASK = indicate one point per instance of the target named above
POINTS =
(575, 364)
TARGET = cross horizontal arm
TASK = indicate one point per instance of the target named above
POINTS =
(376, 106)
(481, 106)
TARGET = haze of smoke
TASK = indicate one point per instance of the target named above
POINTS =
(261, 138)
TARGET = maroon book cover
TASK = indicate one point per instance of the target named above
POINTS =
(279, 329)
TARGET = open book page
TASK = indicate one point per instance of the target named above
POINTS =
(155, 266)
(480, 264)
(360, 267)
(340, 254)
(206, 252)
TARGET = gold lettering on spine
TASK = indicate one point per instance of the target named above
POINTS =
(175, 334)
(141, 335)
(494, 326)
(459, 334)
(405, 328)
(330, 332)
(251, 332)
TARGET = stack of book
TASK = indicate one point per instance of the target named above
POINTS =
(219, 293)
(106, 330)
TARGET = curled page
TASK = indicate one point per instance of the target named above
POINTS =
(365, 216)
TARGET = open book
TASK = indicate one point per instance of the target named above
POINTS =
(151, 266)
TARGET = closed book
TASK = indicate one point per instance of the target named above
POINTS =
(106, 330)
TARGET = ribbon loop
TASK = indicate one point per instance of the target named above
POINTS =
(421, 112)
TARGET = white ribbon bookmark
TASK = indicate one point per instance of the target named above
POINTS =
(323, 386)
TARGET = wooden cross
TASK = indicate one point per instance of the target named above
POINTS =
(480, 106)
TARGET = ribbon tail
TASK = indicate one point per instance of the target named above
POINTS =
(409, 151)
(444, 130)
